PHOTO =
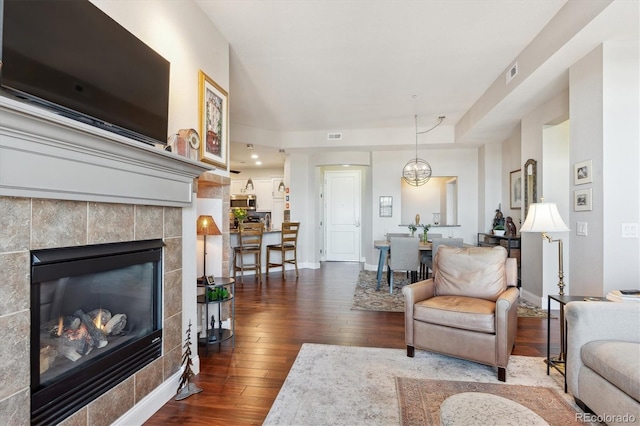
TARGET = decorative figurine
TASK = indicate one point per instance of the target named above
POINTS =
(511, 227)
(185, 387)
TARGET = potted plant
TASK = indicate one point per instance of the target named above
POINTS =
(412, 228)
(240, 214)
(425, 230)
(498, 230)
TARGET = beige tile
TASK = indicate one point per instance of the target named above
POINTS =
(172, 333)
(14, 370)
(173, 222)
(172, 254)
(172, 360)
(147, 379)
(172, 292)
(58, 223)
(15, 409)
(149, 222)
(110, 223)
(15, 214)
(113, 404)
(79, 418)
(15, 284)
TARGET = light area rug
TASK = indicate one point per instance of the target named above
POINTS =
(346, 385)
(367, 298)
(444, 402)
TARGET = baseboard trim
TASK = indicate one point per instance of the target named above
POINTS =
(532, 298)
(151, 403)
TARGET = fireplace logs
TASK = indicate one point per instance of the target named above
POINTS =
(76, 336)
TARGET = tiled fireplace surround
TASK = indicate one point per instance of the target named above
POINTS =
(29, 223)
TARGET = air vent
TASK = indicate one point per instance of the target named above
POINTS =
(334, 136)
(513, 71)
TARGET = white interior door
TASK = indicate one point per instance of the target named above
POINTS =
(342, 206)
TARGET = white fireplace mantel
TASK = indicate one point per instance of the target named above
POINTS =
(45, 155)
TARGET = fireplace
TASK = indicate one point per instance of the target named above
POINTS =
(95, 320)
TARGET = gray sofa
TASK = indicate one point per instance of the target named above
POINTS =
(603, 359)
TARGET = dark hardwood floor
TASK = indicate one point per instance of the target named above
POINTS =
(273, 320)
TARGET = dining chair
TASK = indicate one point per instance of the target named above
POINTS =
(435, 244)
(249, 243)
(404, 255)
(391, 234)
(425, 255)
(288, 243)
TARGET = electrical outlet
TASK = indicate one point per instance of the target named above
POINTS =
(629, 230)
(581, 229)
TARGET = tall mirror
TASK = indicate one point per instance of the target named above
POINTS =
(435, 201)
(530, 185)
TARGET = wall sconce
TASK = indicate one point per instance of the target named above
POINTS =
(205, 225)
(281, 186)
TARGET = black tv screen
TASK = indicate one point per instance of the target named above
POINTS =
(70, 56)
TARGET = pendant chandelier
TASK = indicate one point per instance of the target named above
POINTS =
(417, 171)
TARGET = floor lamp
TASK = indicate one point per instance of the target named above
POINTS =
(205, 225)
(543, 218)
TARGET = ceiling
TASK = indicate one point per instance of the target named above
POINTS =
(317, 65)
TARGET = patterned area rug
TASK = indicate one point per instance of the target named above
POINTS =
(347, 385)
(367, 298)
(436, 402)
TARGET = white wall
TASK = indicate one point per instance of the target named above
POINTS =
(386, 173)
(534, 250)
(511, 160)
(555, 161)
(604, 129)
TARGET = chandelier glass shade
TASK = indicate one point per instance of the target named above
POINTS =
(417, 171)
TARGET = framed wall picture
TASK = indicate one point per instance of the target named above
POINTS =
(582, 200)
(583, 173)
(515, 189)
(214, 122)
(386, 206)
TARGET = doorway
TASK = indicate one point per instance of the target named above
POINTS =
(342, 211)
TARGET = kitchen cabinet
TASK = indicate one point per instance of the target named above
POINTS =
(238, 185)
(275, 184)
(264, 195)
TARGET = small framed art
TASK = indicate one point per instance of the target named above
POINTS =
(582, 173)
(214, 122)
(582, 200)
(386, 206)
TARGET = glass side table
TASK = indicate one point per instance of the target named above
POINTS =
(559, 362)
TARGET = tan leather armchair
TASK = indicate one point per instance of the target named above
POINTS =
(469, 309)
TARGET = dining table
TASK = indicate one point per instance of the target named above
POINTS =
(384, 245)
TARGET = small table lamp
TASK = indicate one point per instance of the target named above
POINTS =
(544, 217)
(205, 225)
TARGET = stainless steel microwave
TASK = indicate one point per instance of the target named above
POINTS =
(243, 201)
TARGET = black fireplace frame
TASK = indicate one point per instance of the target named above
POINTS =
(52, 403)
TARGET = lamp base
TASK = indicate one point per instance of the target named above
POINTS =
(202, 280)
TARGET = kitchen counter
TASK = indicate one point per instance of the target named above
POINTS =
(271, 231)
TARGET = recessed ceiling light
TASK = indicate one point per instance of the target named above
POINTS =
(254, 156)
(258, 163)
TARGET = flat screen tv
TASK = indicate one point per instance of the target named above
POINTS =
(70, 56)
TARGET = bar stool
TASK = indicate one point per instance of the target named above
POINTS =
(249, 243)
(288, 243)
